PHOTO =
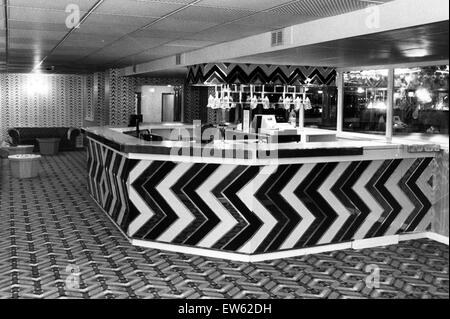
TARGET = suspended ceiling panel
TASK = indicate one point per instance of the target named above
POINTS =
(52, 4)
(322, 8)
(256, 5)
(139, 8)
(216, 15)
(136, 31)
(422, 43)
(189, 26)
(38, 15)
(272, 21)
(228, 32)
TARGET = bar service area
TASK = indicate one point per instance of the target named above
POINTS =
(224, 149)
(299, 159)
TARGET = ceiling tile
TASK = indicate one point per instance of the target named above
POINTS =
(33, 42)
(273, 20)
(36, 34)
(183, 25)
(129, 46)
(227, 32)
(191, 43)
(35, 45)
(322, 8)
(256, 5)
(156, 33)
(169, 50)
(219, 15)
(96, 39)
(38, 15)
(138, 8)
(117, 20)
(84, 5)
(78, 52)
(92, 26)
(138, 58)
(41, 26)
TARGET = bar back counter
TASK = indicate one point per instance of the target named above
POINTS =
(252, 201)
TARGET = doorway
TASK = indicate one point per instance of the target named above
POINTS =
(168, 107)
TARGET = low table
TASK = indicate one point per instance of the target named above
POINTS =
(24, 165)
(48, 146)
(15, 150)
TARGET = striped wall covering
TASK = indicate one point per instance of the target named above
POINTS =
(122, 90)
(41, 100)
(253, 209)
(110, 97)
(232, 73)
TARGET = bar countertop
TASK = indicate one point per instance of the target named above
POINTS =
(133, 147)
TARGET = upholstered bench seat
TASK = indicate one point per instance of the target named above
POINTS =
(29, 135)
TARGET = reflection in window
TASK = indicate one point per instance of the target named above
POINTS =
(365, 101)
(322, 112)
(421, 100)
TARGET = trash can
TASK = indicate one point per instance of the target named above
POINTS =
(48, 146)
(24, 165)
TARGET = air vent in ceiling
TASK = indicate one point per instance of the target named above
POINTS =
(178, 59)
(277, 38)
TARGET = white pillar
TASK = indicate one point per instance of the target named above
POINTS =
(301, 114)
(390, 106)
(340, 102)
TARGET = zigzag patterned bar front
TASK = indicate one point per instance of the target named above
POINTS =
(261, 209)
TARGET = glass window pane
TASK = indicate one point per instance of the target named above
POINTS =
(321, 110)
(365, 101)
(421, 101)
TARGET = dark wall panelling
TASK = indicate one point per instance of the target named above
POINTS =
(232, 73)
(59, 102)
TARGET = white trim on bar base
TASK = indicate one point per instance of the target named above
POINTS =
(357, 245)
(437, 237)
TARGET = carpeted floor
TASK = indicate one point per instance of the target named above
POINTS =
(49, 227)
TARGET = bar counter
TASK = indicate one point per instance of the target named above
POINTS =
(252, 201)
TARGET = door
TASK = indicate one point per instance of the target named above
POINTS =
(168, 107)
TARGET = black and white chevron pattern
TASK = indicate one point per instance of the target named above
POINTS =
(254, 209)
(107, 175)
(235, 73)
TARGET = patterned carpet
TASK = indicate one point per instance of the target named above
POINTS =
(49, 227)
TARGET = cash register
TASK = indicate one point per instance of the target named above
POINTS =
(267, 127)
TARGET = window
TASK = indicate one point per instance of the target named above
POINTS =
(323, 107)
(365, 101)
(421, 101)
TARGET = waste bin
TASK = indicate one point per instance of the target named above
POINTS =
(24, 165)
(48, 146)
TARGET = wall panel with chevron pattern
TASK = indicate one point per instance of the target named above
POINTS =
(261, 209)
(41, 100)
(232, 73)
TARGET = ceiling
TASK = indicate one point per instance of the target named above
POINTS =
(118, 33)
(416, 44)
